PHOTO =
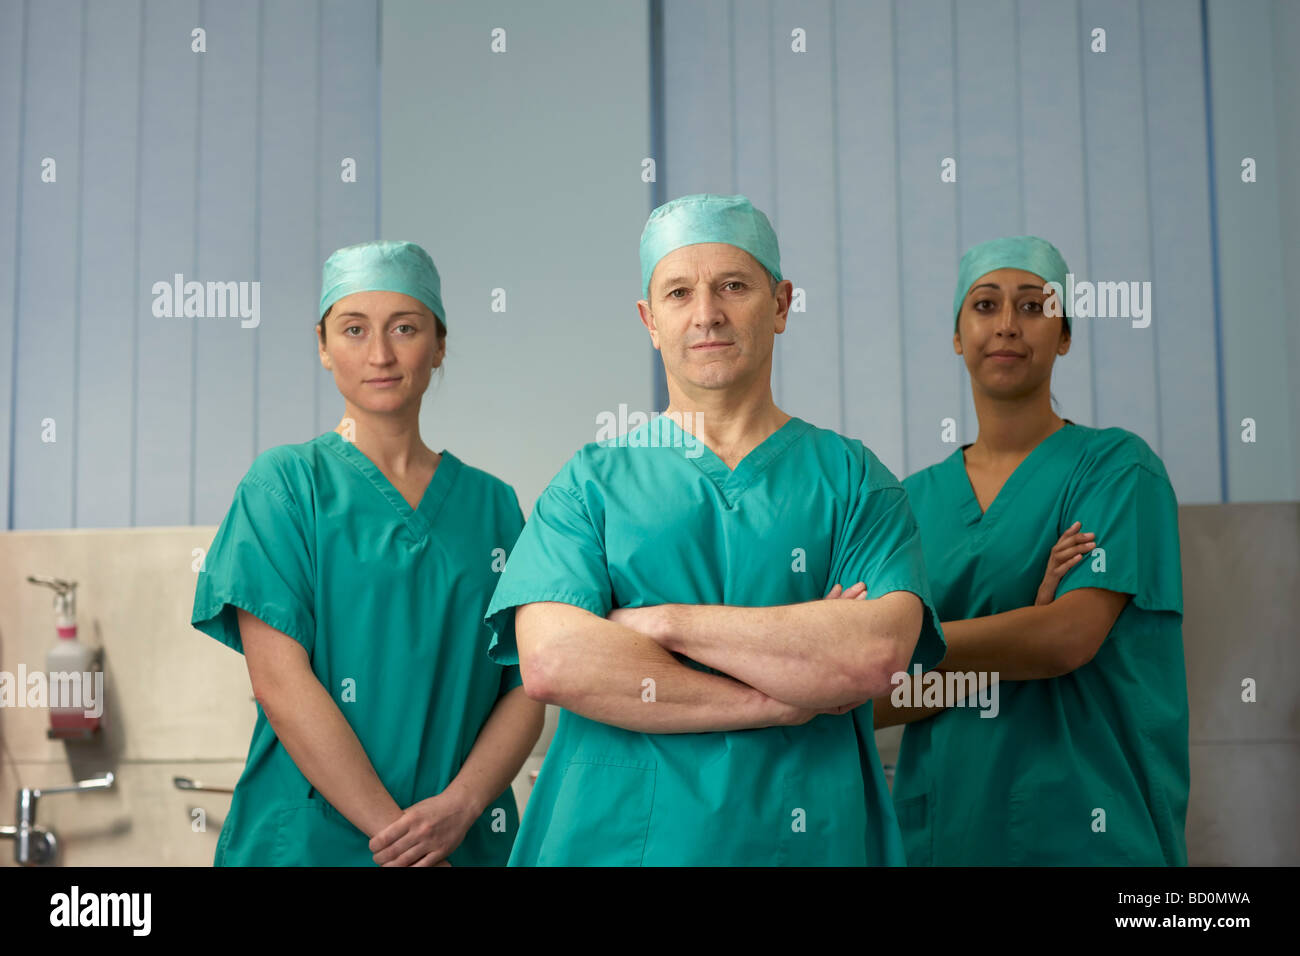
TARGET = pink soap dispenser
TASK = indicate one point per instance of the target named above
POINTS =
(75, 685)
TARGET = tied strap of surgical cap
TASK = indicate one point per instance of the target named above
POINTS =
(705, 217)
(382, 266)
(1011, 252)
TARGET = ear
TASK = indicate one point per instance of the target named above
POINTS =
(648, 320)
(956, 343)
(320, 347)
(784, 296)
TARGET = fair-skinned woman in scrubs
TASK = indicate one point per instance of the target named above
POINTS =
(352, 571)
(1053, 553)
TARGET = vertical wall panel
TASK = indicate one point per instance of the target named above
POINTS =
(287, 364)
(807, 205)
(46, 327)
(224, 348)
(1286, 97)
(1054, 185)
(868, 227)
(928, 217)
(1124, 367)
(13, 50)
(163, 367)
(109, 297)
(1182, 267)
(753, 147)
(699, 97)
(1255, 314)
(753, 51)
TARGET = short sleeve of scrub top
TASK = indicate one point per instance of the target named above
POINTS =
(881, 547)
(558, 557)
(510, 674)
(260, 561)
(1132, 509)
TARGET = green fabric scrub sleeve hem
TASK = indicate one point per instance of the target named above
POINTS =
(220, 621)
(931, 646)
(260, 561)
(501, 618)
(882, 549)
(1134, 514)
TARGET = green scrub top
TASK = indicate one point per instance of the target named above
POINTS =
(644, 520)
(1025, 786)
(387, 601)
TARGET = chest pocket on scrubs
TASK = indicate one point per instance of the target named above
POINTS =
(601, 814)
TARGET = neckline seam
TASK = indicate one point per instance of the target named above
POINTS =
(978, 514)
(414, 521)
(729, 488)
(771, 454)
(962, 448)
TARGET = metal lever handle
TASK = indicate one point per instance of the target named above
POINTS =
(100, 783)
(33, 844)
(59, 585)
(185, 783)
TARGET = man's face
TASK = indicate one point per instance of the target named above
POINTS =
(713, 316)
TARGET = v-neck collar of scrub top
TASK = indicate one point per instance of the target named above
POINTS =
(418, 520)
(732, 482)
(968, 501)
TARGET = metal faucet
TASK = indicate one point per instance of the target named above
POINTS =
(38, 846)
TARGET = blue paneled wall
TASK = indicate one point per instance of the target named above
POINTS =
(136, 158)
(836, 118)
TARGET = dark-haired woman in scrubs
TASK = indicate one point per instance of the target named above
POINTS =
(352, 571)
(1052, 550)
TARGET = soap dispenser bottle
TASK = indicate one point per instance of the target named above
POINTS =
(75, 682)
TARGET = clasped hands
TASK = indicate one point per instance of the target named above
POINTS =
(426, 833)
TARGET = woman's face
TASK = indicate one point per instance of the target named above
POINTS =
(382, 348)
(1003, 333)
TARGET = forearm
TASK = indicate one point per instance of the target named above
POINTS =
(502, 746)
(615, 675)
(327, 752)
(885, 714)
(1029, 643)
(903, 704)
(817, 654)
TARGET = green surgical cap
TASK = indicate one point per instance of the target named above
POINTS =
(1012, 252)
(382, 266)
(707, 218)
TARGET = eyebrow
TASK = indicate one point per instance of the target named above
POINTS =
(362, 315)
(724, 277)
(993, 285)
